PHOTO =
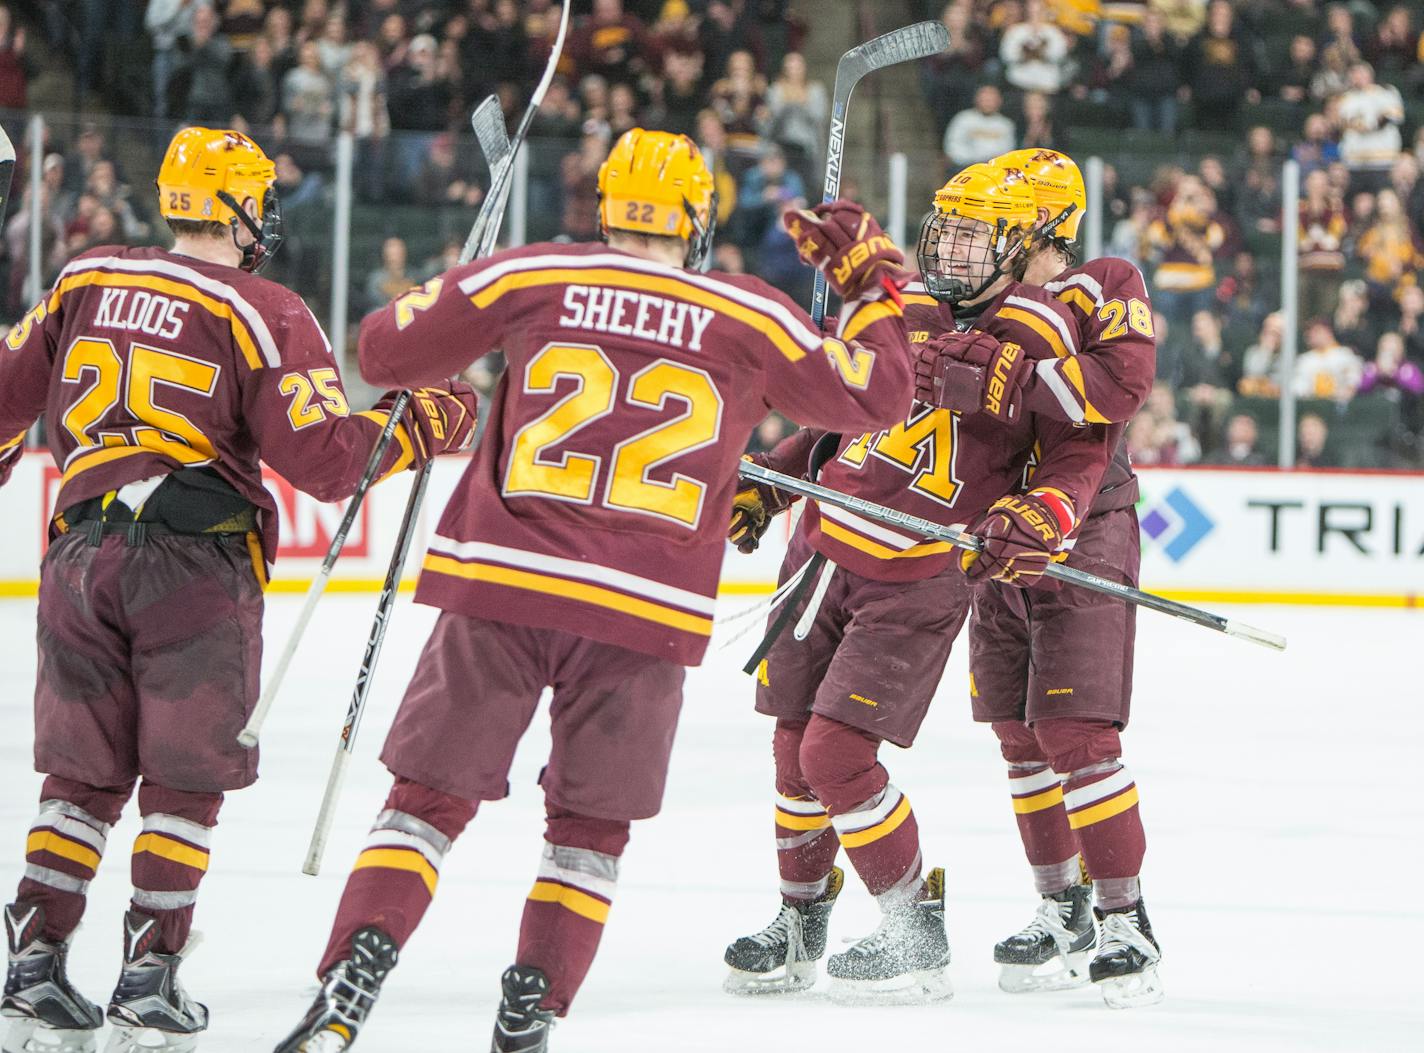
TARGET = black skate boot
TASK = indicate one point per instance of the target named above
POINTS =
(521, 1026)
(903, 961)
(346, 998)
(46, 1013)
(782, 957)
(1051, 952)
(1125, 966)
(149, 1008)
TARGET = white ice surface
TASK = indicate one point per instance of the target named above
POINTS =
(1280, 794)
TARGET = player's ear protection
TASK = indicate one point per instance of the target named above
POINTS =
(266, 239)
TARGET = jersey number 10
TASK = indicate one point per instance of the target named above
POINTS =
(574, 476)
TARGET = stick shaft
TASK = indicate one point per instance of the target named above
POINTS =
(335, 780)
(959, 539)
(250, 733)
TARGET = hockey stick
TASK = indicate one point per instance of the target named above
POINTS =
(917, 41)
(959, 539)
(479, 244)
(7, 172)
(488, 124)
(901, 45)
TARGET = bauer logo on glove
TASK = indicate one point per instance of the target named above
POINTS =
(1021, 536)
(844, 242)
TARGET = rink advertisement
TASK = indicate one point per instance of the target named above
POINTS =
(1208, 535)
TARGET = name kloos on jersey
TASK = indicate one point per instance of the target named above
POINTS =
(141, 312)
(627, 313)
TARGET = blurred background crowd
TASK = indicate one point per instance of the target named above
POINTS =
(1192, 105)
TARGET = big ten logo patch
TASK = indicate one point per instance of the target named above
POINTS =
(308, 525)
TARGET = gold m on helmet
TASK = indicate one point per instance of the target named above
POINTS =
(202, 166)
(656, 183)
(1057, 186)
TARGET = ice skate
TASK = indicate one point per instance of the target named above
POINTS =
(1050, 953)
(346, 998)
(521, 1026)
(1125, 966)
(782, 957)
(149, 1008)
(46, 1013)
(904, 961)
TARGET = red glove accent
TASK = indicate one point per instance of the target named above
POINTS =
(845, 243)
(972, 372)
(753, 509)
(438, 420)
(1021, 536)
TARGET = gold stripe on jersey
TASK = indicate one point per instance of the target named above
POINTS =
(568, 589)
(173, 287)
(407, 859)
(868, 315)
(1105, 810)
(801, 822)
(1038, 325)
(606, 276)
(13, 442)
(156, 844)
(401, 435)
(153, 443)
(1074, 374)
(891, 823)
(874, 548)
(581, 903)
(1049, 798)
(57, 844)
(918, 300)
(1079, 299)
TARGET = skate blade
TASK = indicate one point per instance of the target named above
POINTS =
(923, 987)
(1134, 991)
(791, 979)
(150, 1040)
(1054, 975)
(31, 1036)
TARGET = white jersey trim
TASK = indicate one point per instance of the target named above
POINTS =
(1070, 338)
(793, 326)
(1084, 281)
(1047, 372)
(216, 289)
(573, 568)
(1035, 783)
(1086, 795)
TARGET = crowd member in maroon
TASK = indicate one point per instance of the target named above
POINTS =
(873, 637)
(1050, 667)
(165, 376)
(583, 547)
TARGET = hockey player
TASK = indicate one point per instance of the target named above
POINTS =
(582, 549)
(873, 638)
(1051, 668)
(165, 376)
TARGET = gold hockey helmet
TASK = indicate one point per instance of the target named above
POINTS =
(981, 219)
(656, 183)
(208, 174)
(1058, 187)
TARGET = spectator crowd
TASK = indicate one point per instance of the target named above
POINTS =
(1194, 103)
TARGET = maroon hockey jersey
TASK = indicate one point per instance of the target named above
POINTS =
(145, 362)
(1108, 376)
(598, 500)
(948, 467)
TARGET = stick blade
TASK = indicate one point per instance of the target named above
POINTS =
(917, 41)
(488, 124)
